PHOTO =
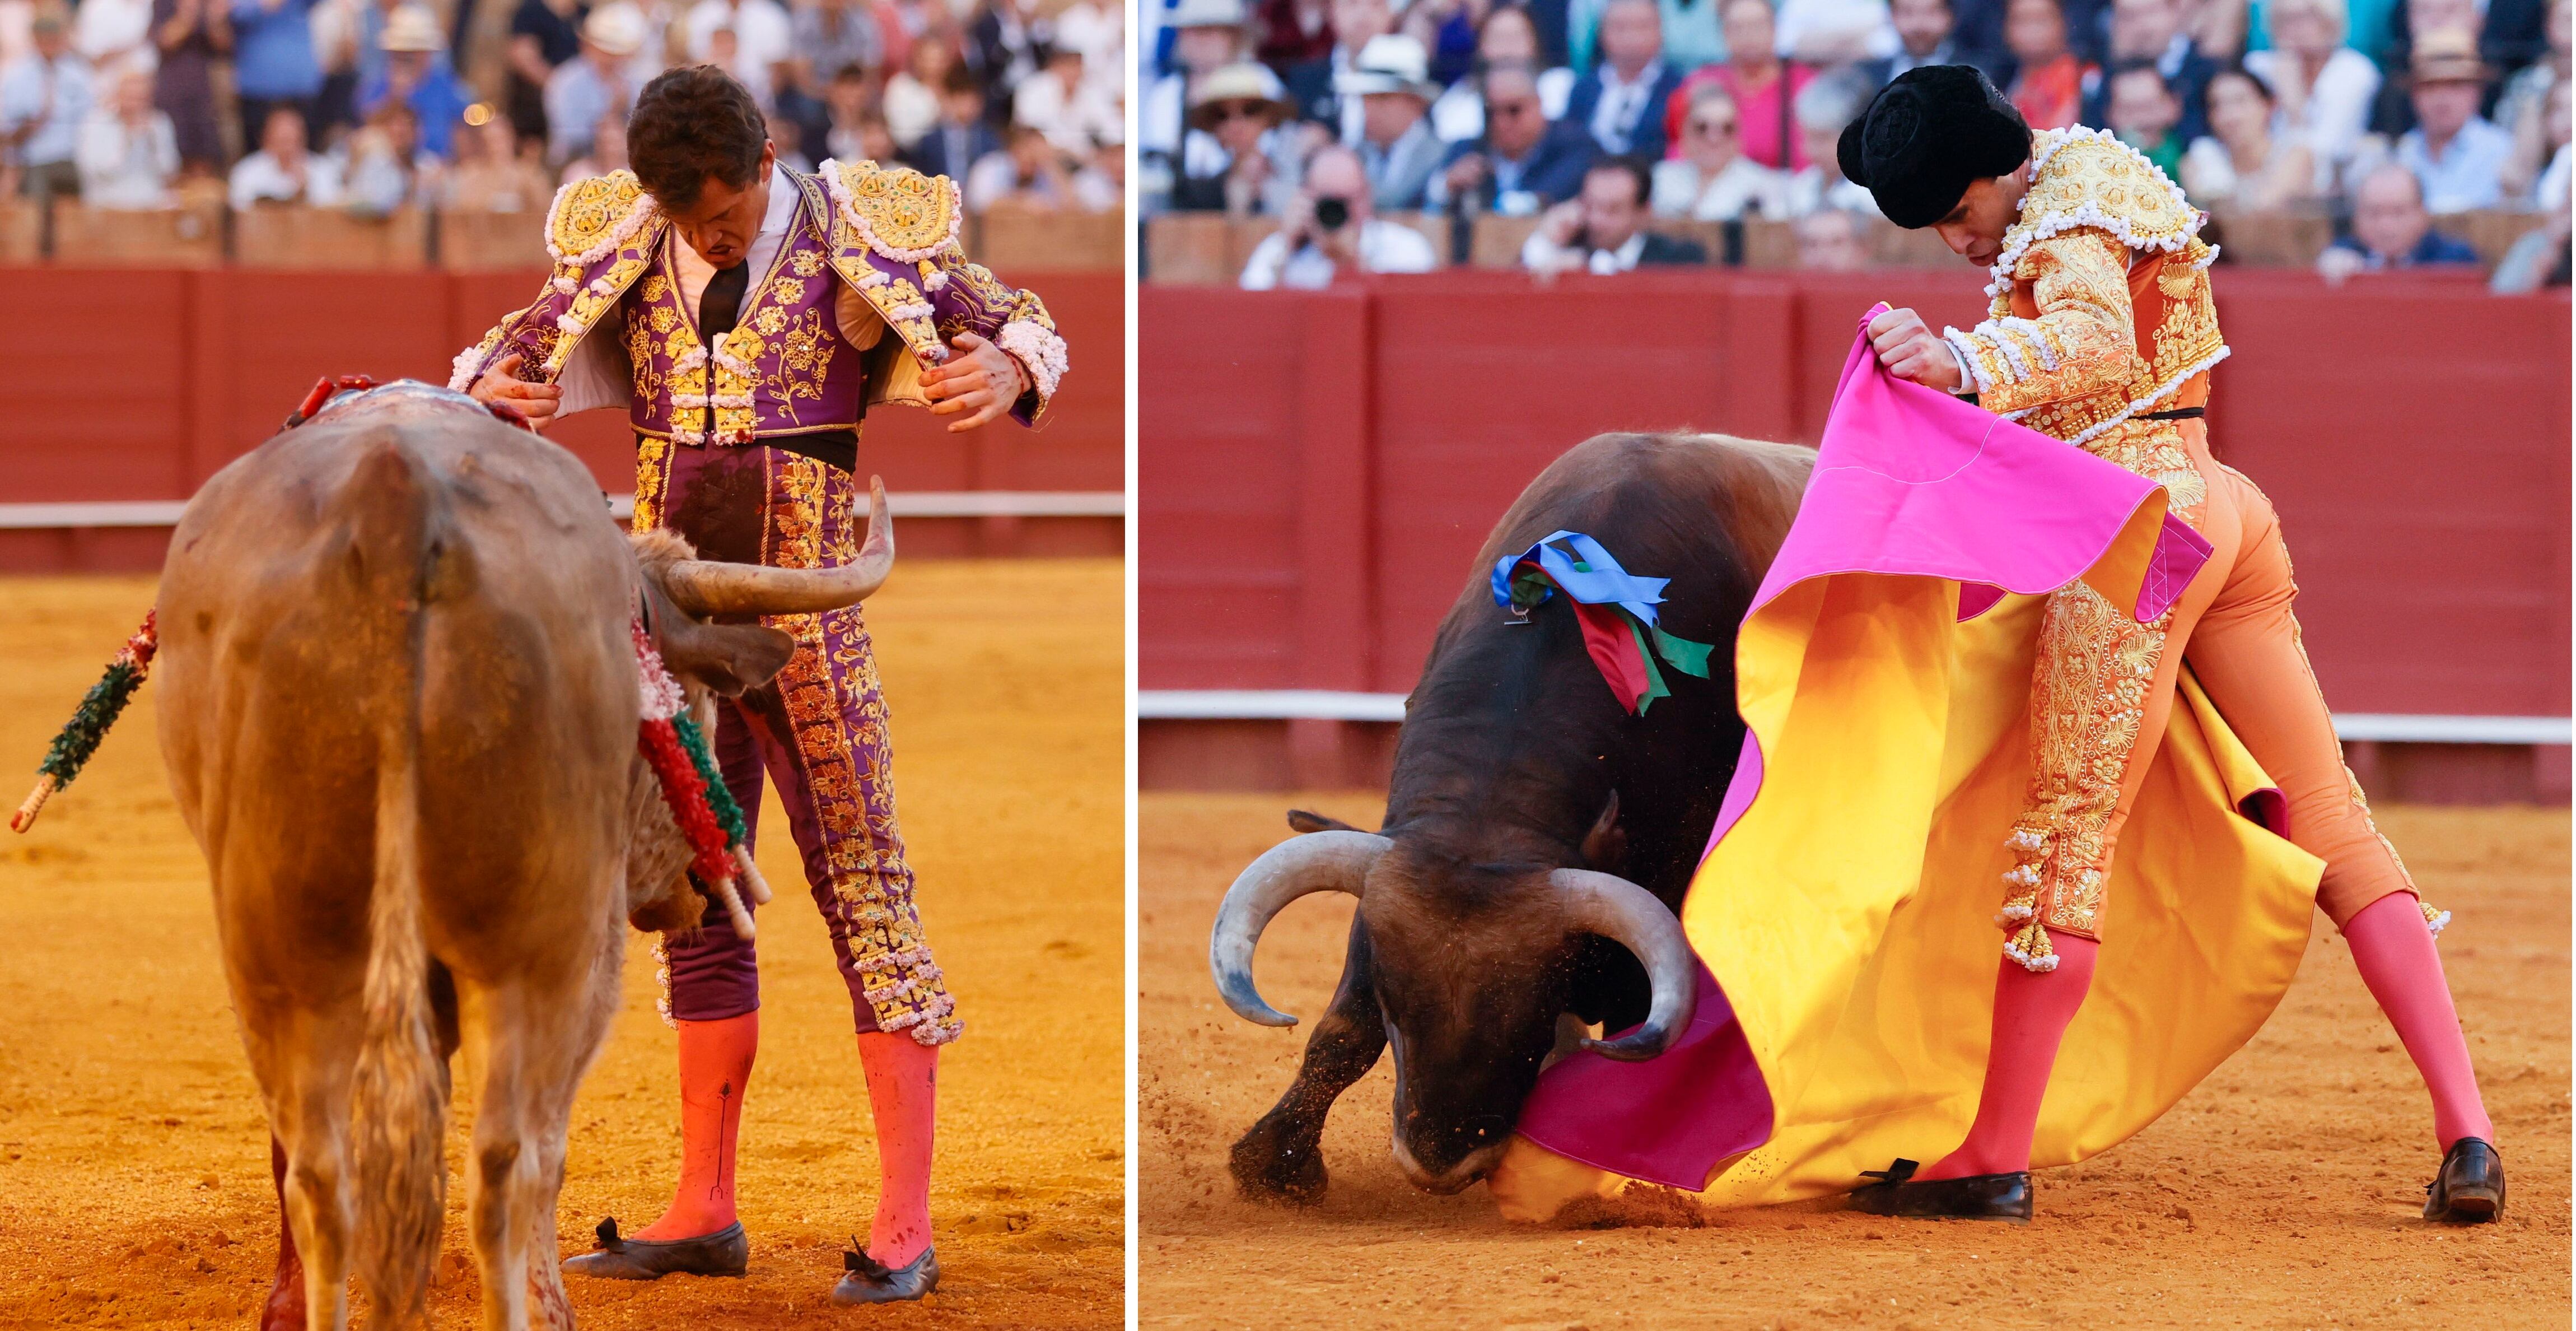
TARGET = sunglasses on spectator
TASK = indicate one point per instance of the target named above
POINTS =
(1712, 128)
(1237, 110)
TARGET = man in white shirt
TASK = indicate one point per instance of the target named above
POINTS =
(284, 170)
(43, 97)
(1331, 229)
(2455, 152)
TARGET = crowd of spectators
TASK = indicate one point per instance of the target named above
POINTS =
(368, 106)
(1596, 117)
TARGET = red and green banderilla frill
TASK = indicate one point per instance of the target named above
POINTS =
(676, 748)
(98, 710)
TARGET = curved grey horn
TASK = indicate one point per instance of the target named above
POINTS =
(708, 587)
(1315, 862)
(1629, 915)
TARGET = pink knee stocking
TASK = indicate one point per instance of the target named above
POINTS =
(903, 1089)
(2393, 948)
(2032, 1011)
(715, 1069)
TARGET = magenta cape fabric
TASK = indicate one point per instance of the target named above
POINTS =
(1908, 481)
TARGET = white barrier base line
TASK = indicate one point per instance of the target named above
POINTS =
(1326, 705)
(909, 504)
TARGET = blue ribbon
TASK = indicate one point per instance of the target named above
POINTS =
(1590, 575)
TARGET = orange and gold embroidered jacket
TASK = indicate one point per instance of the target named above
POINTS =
(2102, 309)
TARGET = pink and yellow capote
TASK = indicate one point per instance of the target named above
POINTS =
(1845, 910)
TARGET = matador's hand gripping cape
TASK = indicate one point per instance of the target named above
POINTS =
(888, 232)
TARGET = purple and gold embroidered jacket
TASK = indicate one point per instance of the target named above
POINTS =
(890, 233)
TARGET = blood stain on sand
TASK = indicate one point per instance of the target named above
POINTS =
(2283, 1192)
(134, 1186)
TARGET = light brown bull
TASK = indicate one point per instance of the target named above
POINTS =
(399, 708)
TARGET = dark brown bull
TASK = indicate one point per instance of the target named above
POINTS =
(1538, 838)
(399, 708)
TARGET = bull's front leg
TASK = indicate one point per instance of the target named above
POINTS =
(1281, 1157)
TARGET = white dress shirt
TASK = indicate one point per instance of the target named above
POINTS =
(598, 374)
(1384, 247)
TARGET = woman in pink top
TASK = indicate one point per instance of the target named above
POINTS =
(1762, 84)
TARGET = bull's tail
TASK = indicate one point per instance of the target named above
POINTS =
(398, 1101)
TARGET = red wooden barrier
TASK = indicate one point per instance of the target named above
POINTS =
(138, 384)
(1317, 469)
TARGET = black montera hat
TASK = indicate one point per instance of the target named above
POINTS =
(1928, 134)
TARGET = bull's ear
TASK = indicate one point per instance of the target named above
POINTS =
(1605, 847)
(727, 658)
(1301, 821)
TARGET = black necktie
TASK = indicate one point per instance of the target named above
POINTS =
(721, 303)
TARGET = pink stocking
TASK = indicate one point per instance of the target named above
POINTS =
(715, 1069)
(903, 1089)
(2393, 948)
(2032, 1011)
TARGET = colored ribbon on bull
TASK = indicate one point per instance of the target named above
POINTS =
(693, 787)
(1616, 609)
(98, 710)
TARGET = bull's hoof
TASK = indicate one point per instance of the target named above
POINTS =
(1265, 1170)
(285, 1310)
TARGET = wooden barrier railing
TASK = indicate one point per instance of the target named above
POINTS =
(1211, 249)
(207, 235)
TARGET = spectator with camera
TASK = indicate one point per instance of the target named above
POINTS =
(1390, 81)
(1603, 230)
(2391, 230)
(1521, 163)
(1331, 228)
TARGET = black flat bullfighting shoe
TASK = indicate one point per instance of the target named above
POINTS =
(871, 1281)
(727, 1252)
(1977, 1197)
(2470, 1188)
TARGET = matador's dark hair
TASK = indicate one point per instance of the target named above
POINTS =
(691, 123)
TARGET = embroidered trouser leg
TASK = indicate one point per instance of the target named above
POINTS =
(2103, 688)
(819, 732)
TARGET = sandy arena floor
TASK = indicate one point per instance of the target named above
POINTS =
(134, 1184)
(2284, 1192)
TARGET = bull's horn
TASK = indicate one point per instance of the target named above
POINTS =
(707, 587)
(1315, 862)
(1629, 915)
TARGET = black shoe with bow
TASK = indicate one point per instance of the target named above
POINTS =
(727, 1252)
(2470, 1188)
(872, 1281)
(1976, 1197)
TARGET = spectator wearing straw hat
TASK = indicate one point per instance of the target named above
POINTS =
(1522, 163)
(1330, 229)
(2456, 154)
(1207, 35)
(1311, 85)
(597, 83)
(1391, 79)
(417, 74)
(1231, 158)
(44, 95)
